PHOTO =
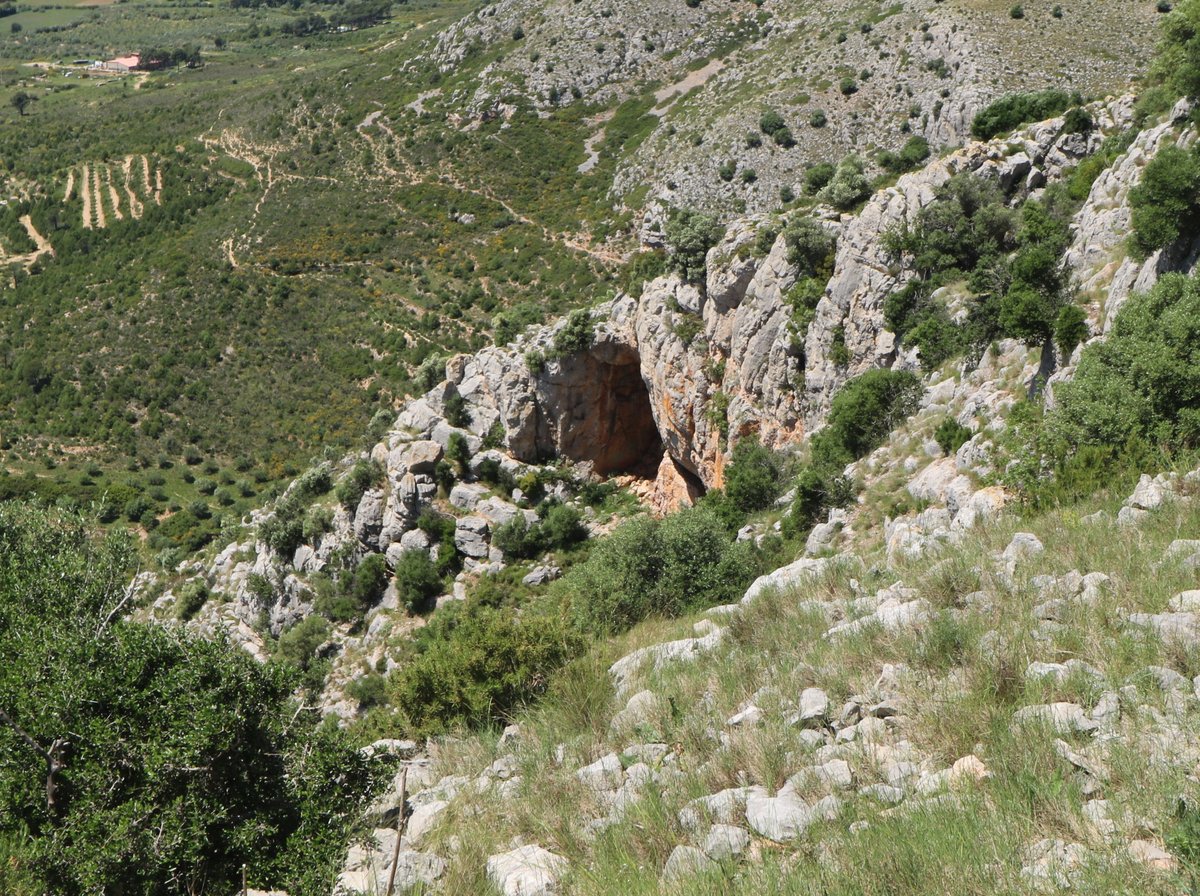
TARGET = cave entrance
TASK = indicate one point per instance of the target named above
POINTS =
(613, 426)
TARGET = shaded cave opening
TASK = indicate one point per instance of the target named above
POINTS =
(614, 427)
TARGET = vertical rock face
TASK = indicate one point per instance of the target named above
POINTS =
(1098, 257)
(667, 375)
(684, 372)
(864, 275)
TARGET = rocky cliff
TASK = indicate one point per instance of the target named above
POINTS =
(657, 388)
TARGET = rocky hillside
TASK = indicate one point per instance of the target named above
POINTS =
(967, 674)
(1012, 711)
(845, 77)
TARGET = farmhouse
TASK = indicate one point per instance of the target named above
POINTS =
(120, 64)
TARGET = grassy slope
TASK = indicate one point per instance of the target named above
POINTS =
(959, 699)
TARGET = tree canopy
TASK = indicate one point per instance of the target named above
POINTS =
(137, 759)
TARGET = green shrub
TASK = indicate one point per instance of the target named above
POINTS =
(458, 451)
(1144, 379)
(1070, 329)
(191, 597)
(1078, 121)
(817, 490)
(518, 538)
(560, 527)
(1012, 111)
(1178, 62)
(417, 581)
(657, 568)
(862, 415)
(810, 247)
(641, 268)
(912, 154)
(575, 336)
(456, 412)
(317, 521)
(1166, 203)
(431, 372)
(754, 477)
(438, 526)
(818, 176)
(298, 645)
(368, 691)
(966, 225)
(369, 580)
(477, 665)
(197, 754)
(690, 235)
(848, 186)
(362, 476)
(951, 435)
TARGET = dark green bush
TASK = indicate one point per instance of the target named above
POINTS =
(657, 568)
(1012, 111)
(192, 596)
(1178, 61)
(817, 177)
(862, 415)
(458, 451)
(369, 581)
(810, 247)
(362, 476)
(197, 754)
(913, 153)
(1070, 329)
(575, 336)
(560, 527)
(690, 235)
(417, 581)
(1166, 203)
(456, 412)
(641, 268)
(1144, 380)
(848, 186)
(298, 645)
(754, 477)
(478, 665)
(951, 435)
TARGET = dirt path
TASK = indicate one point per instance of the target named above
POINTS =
(592, 144)
(146, 187)
(70, 185)
(85, 192)
(667, 95)
(113, 196)
(27, 260)
(158, 186)
(135, 206)
(43, 244)
(98, 199)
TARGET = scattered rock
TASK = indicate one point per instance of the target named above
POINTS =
(725, 841)
(781, 818)
(526, 871)
(685, 862)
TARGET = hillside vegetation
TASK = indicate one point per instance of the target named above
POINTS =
(676, 460)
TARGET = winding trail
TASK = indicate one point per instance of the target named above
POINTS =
(27, 260)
